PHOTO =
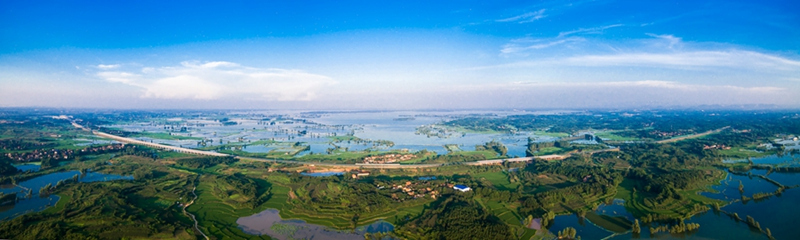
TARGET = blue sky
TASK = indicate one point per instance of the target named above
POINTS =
(399, 54)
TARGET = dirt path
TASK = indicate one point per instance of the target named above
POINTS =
(196, 225)
(692, 136)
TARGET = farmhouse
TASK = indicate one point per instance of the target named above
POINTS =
(462, 188)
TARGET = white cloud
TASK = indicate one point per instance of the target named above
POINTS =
(111, 66)
(218, 80)
(525, 17)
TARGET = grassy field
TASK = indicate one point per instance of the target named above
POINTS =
(610, 136)
(614, 224)
(743, 153)
(498, 179)
(549, 150)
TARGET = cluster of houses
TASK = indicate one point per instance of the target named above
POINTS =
(104, 148)
(409, 188)
(388, 158)
(39, 154)
(715, 146)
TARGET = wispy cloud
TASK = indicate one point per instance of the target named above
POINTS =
(593, 30)
(721, 58)
(653, 84)
(216, 80)
(521, 45)
(672, 40)
(525, 17)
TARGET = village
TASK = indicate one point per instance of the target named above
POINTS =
(388, 158)
(39, 154)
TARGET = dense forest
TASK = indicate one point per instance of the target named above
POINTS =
(457, 217)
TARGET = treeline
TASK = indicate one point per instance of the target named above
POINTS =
(662, 156)
(205, 162)
(534, 146)
(18, 144)
(6, 199)
(6, 169)
(677, 228)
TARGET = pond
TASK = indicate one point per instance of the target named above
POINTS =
(28, 167)
(38, 203)
(269, 222)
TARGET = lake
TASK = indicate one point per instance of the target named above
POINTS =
(269, 222)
